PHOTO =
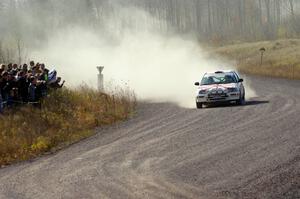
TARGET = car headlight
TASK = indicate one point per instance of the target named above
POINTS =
(232, 90)
(202, 92)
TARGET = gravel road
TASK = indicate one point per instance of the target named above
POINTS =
(165, 151)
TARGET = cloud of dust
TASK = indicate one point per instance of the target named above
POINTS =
(158, 67)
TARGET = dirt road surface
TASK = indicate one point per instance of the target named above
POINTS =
(165, 151)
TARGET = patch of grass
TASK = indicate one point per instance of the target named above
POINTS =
(281, 58)
(66, 116)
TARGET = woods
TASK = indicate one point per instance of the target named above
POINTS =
(208, 20)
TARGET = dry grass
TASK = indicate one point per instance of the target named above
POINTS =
(66, 116)
(281, 58)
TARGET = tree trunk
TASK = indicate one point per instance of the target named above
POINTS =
(209, 16)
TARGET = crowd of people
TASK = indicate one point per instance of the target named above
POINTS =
(22, 84)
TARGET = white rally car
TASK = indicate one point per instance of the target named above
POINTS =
(221, 86)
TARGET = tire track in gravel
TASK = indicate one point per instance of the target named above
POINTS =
(165, 151)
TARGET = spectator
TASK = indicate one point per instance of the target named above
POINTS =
(1, 104)
(3, 85)
(52, 77)
(41, 89)
(45, 76)
(32, 89)
(1, 101)
(9, 67)
(25, 68)
(15, 67)
(23, 85)
(20, 84)
(55, 85)
(9, 89)
(31, 64)
(3, 67)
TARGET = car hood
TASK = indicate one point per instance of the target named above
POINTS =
(217, 86)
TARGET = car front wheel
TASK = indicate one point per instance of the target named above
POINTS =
(199, 105)
(241, 101)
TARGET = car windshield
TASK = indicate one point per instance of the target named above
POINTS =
(218, 78)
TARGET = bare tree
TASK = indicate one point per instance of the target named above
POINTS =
(225, 19)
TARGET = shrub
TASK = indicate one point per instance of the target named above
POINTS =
(65, 117)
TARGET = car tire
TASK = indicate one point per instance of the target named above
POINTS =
(199, 105)
(241, 101)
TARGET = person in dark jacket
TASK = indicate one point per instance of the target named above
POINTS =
(23, 85)
(10, 89)
(4, 86)
(32, 89)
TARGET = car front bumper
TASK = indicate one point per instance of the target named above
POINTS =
(208, 98)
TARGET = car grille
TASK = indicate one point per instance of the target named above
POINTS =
(217, 96)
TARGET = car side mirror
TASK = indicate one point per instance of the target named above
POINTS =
(241, 80)
(197, 84)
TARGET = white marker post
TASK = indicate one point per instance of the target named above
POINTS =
(100, 78)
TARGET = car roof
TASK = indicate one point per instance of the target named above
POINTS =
(222, 71)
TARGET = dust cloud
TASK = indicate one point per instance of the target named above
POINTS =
(158, 67)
